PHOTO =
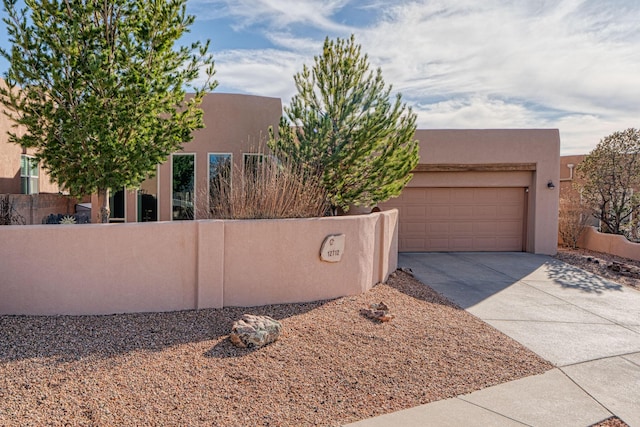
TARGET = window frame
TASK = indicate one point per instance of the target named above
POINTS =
(195, 197)
(32, 164)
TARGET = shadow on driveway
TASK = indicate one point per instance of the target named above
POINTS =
(468, 278)
(572, 277)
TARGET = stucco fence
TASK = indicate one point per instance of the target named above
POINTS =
(167, 266)
(613, 244)
(34, 208)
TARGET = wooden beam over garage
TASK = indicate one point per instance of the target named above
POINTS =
(485, 167)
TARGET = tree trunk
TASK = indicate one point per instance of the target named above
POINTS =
(103, 196)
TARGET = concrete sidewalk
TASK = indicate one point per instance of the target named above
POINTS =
(588, 327)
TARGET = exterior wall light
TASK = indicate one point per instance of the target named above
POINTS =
(550, 185)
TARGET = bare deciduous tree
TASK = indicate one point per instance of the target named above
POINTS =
(611, 181)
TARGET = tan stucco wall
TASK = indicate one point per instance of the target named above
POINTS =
(613, 244)
(500, 147)
(165, 266)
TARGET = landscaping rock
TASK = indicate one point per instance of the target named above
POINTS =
(624, 269)
(379, 312)
(254, 331)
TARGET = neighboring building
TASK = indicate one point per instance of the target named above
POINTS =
(20, 173)
(568, 179)
(33, 195)
(473, 190)
(569, 184)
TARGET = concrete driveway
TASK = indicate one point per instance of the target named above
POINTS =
(587, 326)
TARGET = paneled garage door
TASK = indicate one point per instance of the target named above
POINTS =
(460, 219)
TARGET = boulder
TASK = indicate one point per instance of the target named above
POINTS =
(254, 331)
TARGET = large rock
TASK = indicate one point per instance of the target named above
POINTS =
(254, 331)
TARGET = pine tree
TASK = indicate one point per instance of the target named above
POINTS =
(347, 129)
(100, 87)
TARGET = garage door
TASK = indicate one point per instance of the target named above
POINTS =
(460, 219)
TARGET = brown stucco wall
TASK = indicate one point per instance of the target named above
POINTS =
(34, 208)
(9, 158)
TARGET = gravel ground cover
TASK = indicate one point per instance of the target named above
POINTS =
(601, 264)
(611, 422)
(331, 365)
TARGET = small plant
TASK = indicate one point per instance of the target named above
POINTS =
(269, 189)
(8, 213)
(67, 219)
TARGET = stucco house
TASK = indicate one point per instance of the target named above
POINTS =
(474, 190)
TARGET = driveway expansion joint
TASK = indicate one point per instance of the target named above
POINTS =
(625, 357)
(587, 393)
(461, 398)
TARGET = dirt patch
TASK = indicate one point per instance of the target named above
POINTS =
(331, 365)
(617, 269)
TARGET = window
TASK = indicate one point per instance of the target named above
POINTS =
(219, 176)
(183, 185)
(117, 205)
(148, 200)
(29, 173)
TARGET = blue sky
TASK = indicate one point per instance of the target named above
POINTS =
(567, 64)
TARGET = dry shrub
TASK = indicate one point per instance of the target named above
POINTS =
(8, 214)
(572, 219)
(270, 188)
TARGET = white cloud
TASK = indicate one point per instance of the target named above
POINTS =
(278, 14)
(568, 57)
(476, 112)
(570, 64)
(259, 72)
(291, 42)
